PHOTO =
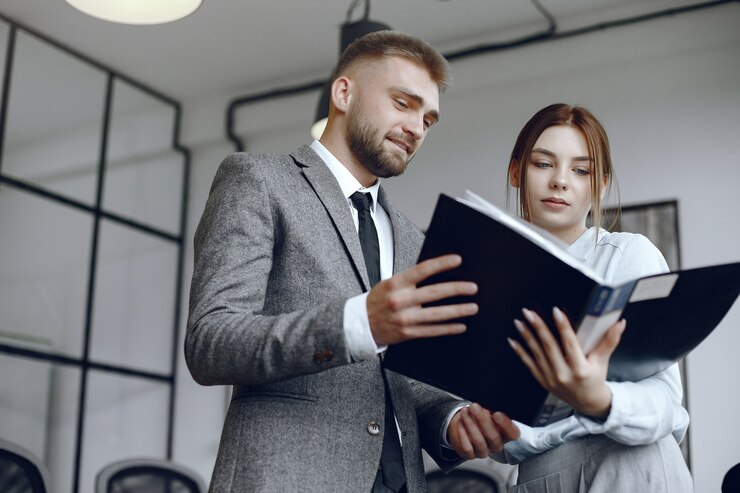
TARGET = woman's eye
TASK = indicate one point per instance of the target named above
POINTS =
(542, 164)
(401, 103)
(582, 171)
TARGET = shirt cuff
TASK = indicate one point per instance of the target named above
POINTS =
(443, 439)
(357, 329)
(596, 426)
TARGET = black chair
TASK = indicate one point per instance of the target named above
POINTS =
(731, 482)
(145, 475)
(460, 481)
(20, 470)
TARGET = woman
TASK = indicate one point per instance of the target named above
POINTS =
(622, 436)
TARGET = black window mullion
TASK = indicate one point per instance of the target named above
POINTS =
(5, 94)
(31, 188)
(178, 282)
(91, 281)
(60, 359)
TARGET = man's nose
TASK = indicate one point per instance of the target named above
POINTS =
(414, 126)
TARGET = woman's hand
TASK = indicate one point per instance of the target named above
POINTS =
(565, 371)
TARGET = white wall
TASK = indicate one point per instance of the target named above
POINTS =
(668, 93)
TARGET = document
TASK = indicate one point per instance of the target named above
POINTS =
(515, 265)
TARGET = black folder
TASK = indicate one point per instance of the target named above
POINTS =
(516, 266)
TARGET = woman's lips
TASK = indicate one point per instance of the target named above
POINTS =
(555, 203)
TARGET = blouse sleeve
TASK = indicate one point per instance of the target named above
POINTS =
(645, 411)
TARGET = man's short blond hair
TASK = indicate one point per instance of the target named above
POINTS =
(387, 44)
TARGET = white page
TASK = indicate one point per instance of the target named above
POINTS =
(538, 236)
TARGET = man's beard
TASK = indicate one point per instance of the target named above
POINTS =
(362, 141)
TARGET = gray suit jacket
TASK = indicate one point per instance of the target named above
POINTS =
(276, 257)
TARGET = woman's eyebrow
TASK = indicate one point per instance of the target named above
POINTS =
(552, 155)
(544, 151)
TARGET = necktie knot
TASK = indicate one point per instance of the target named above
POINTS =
(361, 201)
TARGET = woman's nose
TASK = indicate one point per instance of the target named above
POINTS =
(559, 181)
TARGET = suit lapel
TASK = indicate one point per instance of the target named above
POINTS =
(405, 248)
(327, 190)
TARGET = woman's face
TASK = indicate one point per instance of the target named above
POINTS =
(558, 186)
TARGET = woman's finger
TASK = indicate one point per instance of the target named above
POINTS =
(533, 343)
(551, 347)
(571, 347)
(527, 360)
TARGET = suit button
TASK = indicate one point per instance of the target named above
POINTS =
(373, 428)
(322, 356)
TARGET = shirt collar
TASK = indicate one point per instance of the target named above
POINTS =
(347, 182)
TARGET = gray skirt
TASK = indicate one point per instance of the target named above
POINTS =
(596, 463)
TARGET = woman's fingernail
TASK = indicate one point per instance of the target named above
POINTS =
(557, 314)
(528, 315)
(511, 342)
(519, 326)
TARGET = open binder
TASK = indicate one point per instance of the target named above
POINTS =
(518, 265)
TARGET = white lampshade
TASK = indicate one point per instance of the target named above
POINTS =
(137, 11)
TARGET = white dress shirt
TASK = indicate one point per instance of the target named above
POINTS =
(356, 324)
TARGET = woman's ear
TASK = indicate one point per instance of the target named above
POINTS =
(514, 173)
(341, 93)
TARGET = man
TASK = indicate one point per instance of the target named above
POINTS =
(285, 306)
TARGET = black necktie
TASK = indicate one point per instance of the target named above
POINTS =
(368, 235)
(391, 477)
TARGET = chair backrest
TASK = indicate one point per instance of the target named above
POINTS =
(460, 481)
(731, 481)
(20, 470)
(147, 475)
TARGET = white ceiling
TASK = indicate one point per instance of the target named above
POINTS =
(245, 46)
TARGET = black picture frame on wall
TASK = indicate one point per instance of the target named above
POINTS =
(658, 221)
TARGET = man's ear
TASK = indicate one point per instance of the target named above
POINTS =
(514, 173)
(341, 93)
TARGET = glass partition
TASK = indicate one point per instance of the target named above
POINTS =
(134, 298)
(144, 174)
(92, 191)
(44, 270)
(54, 118)
(39, 407)
(124, 419)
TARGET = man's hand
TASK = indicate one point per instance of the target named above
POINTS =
(394, 306)
(476, 432)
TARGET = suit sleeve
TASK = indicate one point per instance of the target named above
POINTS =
(433, 408)
(229, 341)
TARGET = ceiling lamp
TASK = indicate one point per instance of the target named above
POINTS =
(137, 11)
(350, 31)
